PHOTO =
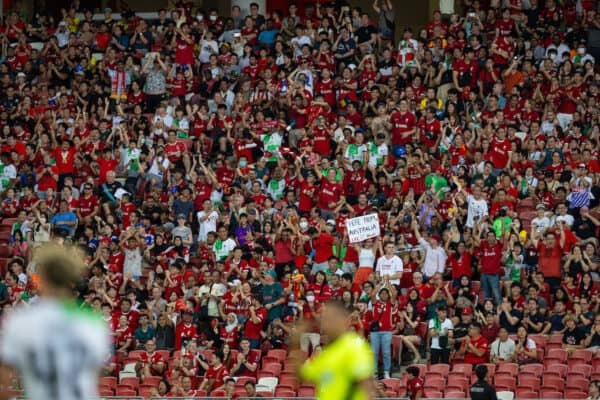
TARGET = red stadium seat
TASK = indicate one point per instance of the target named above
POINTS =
(454, 394)
(242, 380)
(576, 382)
(289, 381)
(393, 383)
(550, 394)
(130, 381)
(531, 382)
(556, 370)
(466, 369)
(508, 368)
(536, 369)
(108, 381)
(123, 392)
(102, 392)
(435, 383)
(432, 393)
(280, 392)
(306, 391)
(553, 383)
(584, 370)
(456, 382)
(506, 382)
(575, 394)
(442, 369)
(277, 353)
(433, 375)
(152, 380)
(146, 391)
(218, 393)
(526, 394)
(273, 368)
(583, 354)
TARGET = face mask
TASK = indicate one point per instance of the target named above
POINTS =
(310, 298)
(243, 164)
(303, 225)
(213, 18)
(581, 50)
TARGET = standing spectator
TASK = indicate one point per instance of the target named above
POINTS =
(549, 255)
(440, 330)
(389, 266)
(381, 326)
(491, 254)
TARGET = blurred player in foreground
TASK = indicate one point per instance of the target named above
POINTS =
(345, 367)
(55, 346)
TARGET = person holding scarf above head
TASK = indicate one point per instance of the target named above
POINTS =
(119, 82)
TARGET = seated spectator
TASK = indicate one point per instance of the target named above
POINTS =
(475, 348)
(502, 349)
(525, 349)
(573, 336)
(215, 375)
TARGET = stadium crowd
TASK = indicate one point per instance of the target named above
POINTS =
(207, 165)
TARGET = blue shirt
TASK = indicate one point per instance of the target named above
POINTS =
(268, 37)
(59, 221)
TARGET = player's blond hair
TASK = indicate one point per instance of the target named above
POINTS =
(59, 266)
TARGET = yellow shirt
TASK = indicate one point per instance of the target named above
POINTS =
(339, 367)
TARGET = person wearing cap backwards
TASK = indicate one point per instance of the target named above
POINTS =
(482, 390)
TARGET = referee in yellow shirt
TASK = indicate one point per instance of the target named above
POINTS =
(345, 367)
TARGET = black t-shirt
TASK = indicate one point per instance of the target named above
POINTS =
(536, 319)
(573, 337)
(364, 33)
(584, 228)
(505, 324)
(482, 390)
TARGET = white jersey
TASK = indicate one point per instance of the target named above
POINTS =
(58, 349)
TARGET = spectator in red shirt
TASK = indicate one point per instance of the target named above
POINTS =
(256, 322)
(414, 383)
(490, 255)
(216, 374)
(475, 347)
(381, 325)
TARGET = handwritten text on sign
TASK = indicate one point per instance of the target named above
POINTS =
(362, 228)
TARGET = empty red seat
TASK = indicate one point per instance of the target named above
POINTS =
(432, 393)
(577, 382)
(304, 391)
(457, 382)
(281, 392)
(506, 382)
(393, 383)
(146, 391)
(102, 392)
(575, 394)
(584, 370)
(584, 354)
(273, 368)
(130, 381)
(435, 383)
(441, 369)
(536, 369)
(550, 394)
(109, 381)
(464, 368)
(152, 380)
(454, 394)
(556, 370)
(553, 383)
(526, 394)
(242, 380)
(433, 375)
(122, 392)
(508, 368)
(530, 381)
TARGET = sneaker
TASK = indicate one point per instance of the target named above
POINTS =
(386, 375)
